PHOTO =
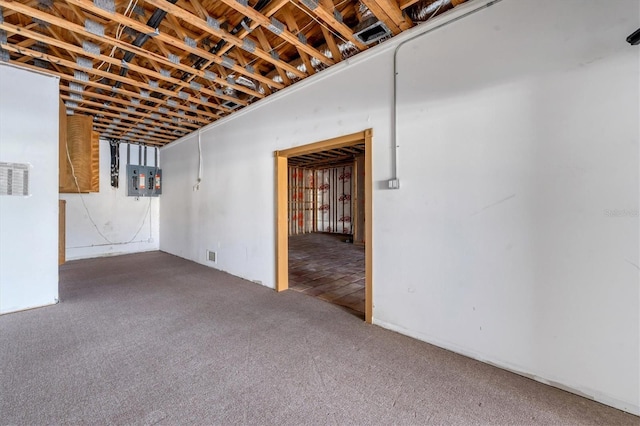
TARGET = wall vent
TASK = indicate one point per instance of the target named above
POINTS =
(14, 179)
(372, 31)
(211, 256)
(230, 104)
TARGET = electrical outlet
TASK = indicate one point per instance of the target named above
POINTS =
(212, 256)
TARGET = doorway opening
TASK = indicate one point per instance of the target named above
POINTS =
(324, 214)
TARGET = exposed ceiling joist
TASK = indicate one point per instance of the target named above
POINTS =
(153, 71)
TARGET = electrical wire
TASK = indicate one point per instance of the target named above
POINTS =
(119, 32)
(84, 204)
(318, 21)
(436, 11)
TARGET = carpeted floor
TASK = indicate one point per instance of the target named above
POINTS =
(154, 339)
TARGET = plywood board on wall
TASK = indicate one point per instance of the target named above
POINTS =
(82, 148)
(64, 173)
(95, 162)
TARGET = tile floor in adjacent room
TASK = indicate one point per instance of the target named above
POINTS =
(327, 267)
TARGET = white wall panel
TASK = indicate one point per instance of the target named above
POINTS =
(514, 236)
(29, 225)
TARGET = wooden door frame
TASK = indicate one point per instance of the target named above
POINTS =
(282, 229)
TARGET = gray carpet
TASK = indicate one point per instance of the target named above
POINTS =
(154, 339)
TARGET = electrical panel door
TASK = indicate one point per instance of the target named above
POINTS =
(143, 181)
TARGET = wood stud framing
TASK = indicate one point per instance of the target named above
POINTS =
(167, 68)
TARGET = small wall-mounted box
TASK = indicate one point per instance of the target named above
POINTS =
(143, 181)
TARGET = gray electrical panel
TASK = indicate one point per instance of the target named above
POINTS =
(143, 181)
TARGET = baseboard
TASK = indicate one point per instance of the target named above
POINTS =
(85, 255)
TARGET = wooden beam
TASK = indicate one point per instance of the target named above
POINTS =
(175, 26)
(202, 24)
(132, 95)
(406, 3)
(327, 16)
(132, 120)
(78, 50)
(267, 46)
(199, 9)
(166, 124)
(273, 7)
(394, 13)
(285, 34)
(108, 130)
(73, 65)
(381, 14)
(293, 26)
(333, 47)
(153, 57)
(101, 123)
(172, 41)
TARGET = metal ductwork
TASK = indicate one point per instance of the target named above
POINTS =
(427, 9)
(369, 29)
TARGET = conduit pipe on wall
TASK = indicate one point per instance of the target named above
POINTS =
(196, 187)
(394, 182)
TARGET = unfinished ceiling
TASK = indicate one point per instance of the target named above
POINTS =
(151, 71)
(329, 158)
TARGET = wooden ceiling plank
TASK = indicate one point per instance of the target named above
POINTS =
(327, 16)
(166, 38)
(219, 33)
(285, 34)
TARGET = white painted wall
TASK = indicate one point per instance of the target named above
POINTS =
(29, 225)
(514, 236)
(125, 224)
